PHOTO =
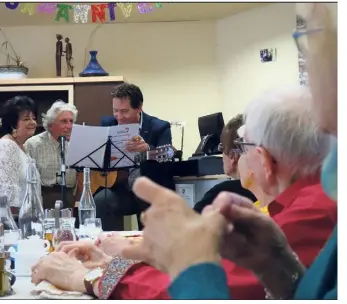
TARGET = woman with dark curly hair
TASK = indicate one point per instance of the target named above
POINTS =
(18, 123)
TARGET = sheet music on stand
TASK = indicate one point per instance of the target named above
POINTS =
(87, 147)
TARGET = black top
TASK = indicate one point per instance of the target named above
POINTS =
(229, 186)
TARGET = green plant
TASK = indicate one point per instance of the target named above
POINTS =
(6, 48)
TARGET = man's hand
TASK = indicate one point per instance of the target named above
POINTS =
(137, 144)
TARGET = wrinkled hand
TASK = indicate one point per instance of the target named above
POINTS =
(61, 270)
(175, 236)
(112, 244)
(88, 253)
(137, 144)
(256, 239)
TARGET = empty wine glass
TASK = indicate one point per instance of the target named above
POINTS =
(93, 227)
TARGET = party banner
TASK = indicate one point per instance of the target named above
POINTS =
(82, 13)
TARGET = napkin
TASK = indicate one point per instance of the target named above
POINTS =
(46, 290)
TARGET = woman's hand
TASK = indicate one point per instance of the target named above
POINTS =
(61, 270)
(89, 254)
(112, 244)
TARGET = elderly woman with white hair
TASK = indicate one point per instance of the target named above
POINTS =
(45, 149)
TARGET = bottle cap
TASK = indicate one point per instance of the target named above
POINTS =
(66, 213)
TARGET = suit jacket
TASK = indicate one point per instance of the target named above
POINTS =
(154, 131)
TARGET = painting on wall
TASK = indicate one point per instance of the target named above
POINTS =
(268, 55)
(303, 76)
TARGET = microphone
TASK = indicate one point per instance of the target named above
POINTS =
(61, 140)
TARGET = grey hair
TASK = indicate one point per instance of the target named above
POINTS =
(281, 122)
(57, 107)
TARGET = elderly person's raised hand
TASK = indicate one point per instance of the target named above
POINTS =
(175, 236)
(62, 270)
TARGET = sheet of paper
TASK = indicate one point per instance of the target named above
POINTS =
(187, 191)
(84, 140)
(120, 135)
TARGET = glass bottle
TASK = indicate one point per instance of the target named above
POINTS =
(86, 207)
(11, 232)
(31, 216)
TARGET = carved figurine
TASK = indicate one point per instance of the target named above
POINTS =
(68, 54)
(58, 54)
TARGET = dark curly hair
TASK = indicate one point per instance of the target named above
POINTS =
(131, 91)
(11, 111)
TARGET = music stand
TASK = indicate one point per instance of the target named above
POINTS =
(106, 167)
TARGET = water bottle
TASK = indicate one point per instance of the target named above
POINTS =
(86, 207)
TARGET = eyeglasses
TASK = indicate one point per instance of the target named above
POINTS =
(300, 37)
(233, 153)
(243, 146)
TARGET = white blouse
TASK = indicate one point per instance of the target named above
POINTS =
(13, 166)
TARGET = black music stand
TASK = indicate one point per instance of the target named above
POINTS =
(107, 160)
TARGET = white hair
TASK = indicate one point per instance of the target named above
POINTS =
(54, 111)
(281, 122)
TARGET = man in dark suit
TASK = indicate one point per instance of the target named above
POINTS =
(112, 204)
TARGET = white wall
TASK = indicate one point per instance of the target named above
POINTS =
(173, 63)
(185, 69)
(239, 40)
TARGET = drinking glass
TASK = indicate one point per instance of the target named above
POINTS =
(93, 227)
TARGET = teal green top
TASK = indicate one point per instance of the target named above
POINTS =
(208, 281)
(205, 281)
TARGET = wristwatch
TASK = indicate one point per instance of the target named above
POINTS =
(90, 279)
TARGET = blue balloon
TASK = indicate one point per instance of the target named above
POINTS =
(12, 5)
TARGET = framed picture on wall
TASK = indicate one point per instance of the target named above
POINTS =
(268, 55)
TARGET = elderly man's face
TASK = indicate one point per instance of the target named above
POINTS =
(62, 126)
(322, 63)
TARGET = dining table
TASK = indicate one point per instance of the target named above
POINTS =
(22, 288)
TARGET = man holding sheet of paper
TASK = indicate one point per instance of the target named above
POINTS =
(120, 200)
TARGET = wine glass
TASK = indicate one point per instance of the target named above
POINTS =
(93, 227)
